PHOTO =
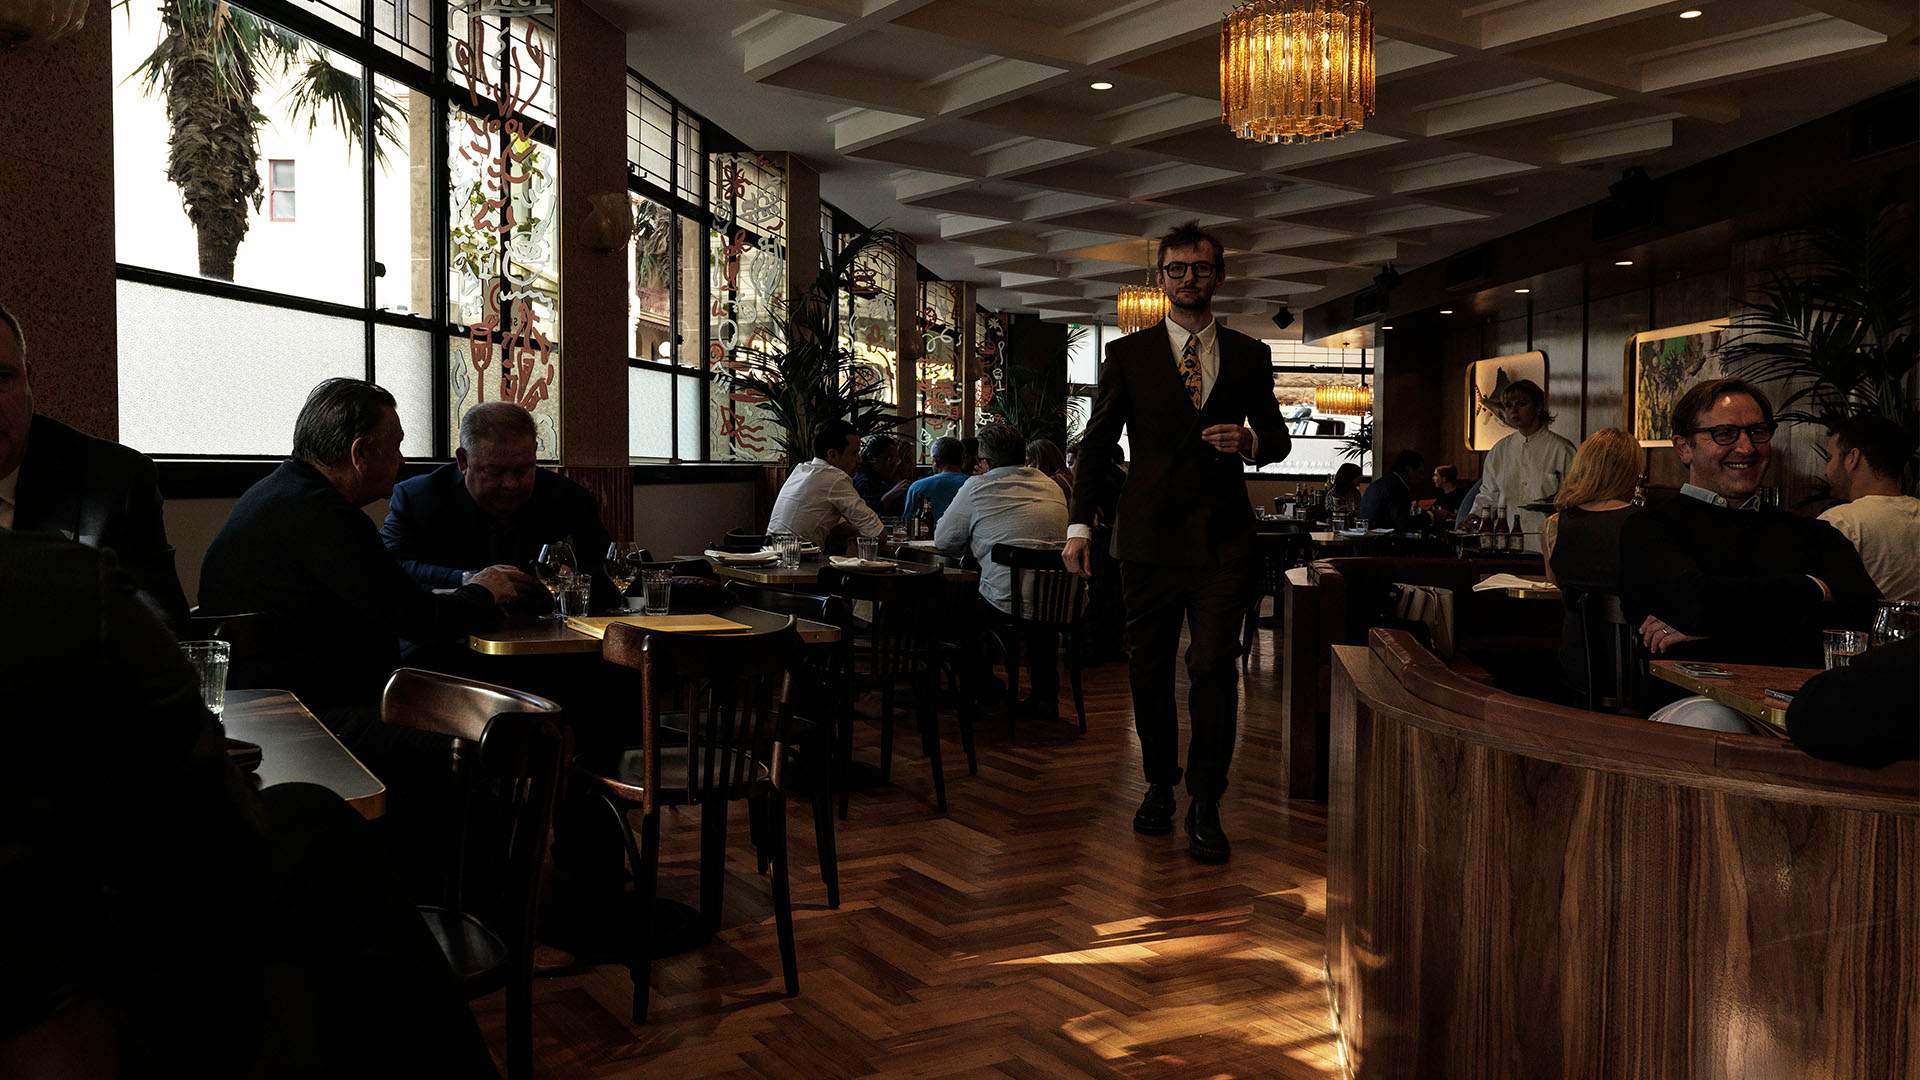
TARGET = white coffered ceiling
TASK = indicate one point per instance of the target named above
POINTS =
(970, 124)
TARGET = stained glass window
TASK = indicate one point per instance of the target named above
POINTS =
(747, 268)
(937, 386)
(872, 322)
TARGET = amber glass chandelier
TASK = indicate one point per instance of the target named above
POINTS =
(1294, 71)
(1140, 307)
(1343, 400)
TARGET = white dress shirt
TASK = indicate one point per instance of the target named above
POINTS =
(816, 497)
(1524, 469)
(1000, 506)
(1886, 530)
(9, 495)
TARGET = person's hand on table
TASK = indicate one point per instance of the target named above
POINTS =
(1229, 438)
(1077, 556)
(506, 583)
(1658, 637)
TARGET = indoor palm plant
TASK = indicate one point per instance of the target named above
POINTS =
(1034, 403)
(804, 373)
(208, 65)
(1838, 332)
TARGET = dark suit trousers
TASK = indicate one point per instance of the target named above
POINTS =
(1212, 600)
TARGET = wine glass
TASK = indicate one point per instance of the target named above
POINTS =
(556, 568)
(623, 565)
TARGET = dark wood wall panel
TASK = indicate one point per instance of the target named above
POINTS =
(1610, 322)
(1500, 905)
(1559, 334)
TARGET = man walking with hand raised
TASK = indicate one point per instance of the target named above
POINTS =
(1196, 400)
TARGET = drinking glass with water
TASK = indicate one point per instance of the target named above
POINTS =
(209, 660)
(787, 546)
(1843, 645)
(657, 590)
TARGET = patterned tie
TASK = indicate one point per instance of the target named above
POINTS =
(1190, 370)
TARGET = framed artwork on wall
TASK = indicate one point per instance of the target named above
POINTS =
(1660, 366)
(1486, 381)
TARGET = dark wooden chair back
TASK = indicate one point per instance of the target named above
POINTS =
(741, 540)
(1045, 594)
(734, 690)
(936, 559)
(1612, 664)
(824, 669)
(905, 606)
(506, 745)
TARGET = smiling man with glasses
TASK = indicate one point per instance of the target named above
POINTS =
(1713, 574)
(1196, 400)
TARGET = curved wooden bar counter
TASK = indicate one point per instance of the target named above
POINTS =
(1517, 889)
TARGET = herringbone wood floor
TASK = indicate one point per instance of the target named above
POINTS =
(1029, 933)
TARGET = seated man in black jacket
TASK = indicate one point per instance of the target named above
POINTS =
(1711, 574)
(494, 507)
(54, 479)
(299, 547)
(1866, 713)
(227, 931)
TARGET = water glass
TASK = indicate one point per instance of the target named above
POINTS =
(209, 660)
(1843, 645)
(574, 598)
(787, 546)
(656, 591)
(1895, 620)
(868, 548)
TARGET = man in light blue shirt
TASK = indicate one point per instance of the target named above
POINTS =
(1009, 503)
(949, 472)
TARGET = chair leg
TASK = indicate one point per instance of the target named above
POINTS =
(886, 732)
(823, 837)
(520, 1016)
(757, 829)
(843, 759)
(969, 702)
(930, 740)
(1073, 658)
(713, 858)
(1013, 679)
(645, 856)
(782, 900)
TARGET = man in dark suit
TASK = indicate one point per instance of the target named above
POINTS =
(299, 547)
(493, 507)
(1196, 400)
(54, 479)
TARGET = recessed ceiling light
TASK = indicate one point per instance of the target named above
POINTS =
(1386, 327)
(1624, 262)
(1690, 13)
(1523, 292)
(1446, 311)
(1105, 85)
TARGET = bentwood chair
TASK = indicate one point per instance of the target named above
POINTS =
(505, 746)
(731, 692)
(1612, 663)
(897, 649)
(1274, 553)
(819, 714)
(954, 646)
(251, 634)
(1047, 599)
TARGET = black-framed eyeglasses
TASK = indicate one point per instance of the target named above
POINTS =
(1177, 270)
(1728, 434)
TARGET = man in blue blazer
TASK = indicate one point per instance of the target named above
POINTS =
(493, 506)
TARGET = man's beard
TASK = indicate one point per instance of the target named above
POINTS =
(1193, 305)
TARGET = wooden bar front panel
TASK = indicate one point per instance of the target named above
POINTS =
(1496, 911)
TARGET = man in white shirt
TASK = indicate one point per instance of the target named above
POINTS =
(1008, 503)
(1526, 466)
(818, 498)
(1865, 457)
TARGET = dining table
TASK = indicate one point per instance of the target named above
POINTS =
(295, 747)
(553, 637)
(807, 573)
(1743, 689)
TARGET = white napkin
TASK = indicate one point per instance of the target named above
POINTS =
(851, 562)
(1511, 581)
(742, 557)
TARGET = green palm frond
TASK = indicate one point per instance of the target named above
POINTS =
(323, 88)
(1033, 403)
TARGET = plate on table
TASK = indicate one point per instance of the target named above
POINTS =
(735, 558)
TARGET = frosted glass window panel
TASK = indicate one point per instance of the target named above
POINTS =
(1083, 355)
(649, 413)
(235, 383)
(403, 363)
(692, 402)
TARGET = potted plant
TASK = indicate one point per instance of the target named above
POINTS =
(1031, 402)
(804, 373)
(1838, 331)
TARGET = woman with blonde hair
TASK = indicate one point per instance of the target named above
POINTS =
(1582, 541)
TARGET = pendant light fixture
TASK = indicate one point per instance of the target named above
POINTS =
(1294, 71)
(1342, 400)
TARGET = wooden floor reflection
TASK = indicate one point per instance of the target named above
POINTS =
(1028, 934)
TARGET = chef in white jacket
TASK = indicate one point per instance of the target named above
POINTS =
(1526, 466)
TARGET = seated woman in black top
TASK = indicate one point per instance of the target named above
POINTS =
(1582, 540)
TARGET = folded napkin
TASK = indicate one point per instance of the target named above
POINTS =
(1511, 581)
(849, 562)
(738, 558)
